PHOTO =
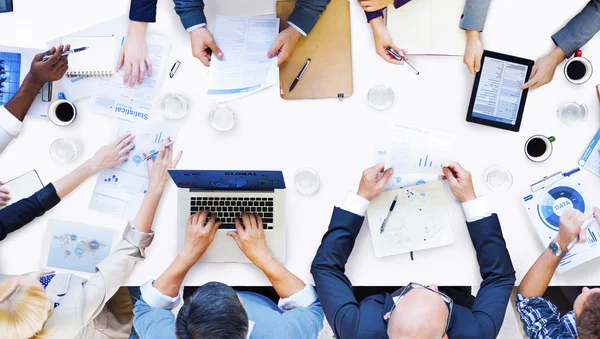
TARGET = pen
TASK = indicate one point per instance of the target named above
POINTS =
(585, 226)
(399, 57)
(387, 217)
(156, 152)
(299, 75)
(71, 51)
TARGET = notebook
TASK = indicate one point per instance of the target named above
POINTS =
(329, 74)
(98, 60)
(23, 186)
(428, 27)
(420, 220)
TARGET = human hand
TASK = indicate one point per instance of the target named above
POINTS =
(159, 165)
(461, 183)
(204, 45)
(111, 154)
(52, 69)
(543, 70)
(473, 52)
(383, 40)
(250, 238)
(199, 234)
(4, 195)
(571, 221)
(370, 187)
(374, 5)
(284, 45)
(134, 54)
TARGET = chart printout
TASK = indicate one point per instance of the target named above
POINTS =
(498, 95)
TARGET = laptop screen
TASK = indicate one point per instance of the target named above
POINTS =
(228, 180)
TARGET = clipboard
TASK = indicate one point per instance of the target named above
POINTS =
(329, 74)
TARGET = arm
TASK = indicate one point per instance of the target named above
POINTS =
(112, 272)
(134, 50)
(24, 211)
(474, 15)
(306, 14)
(538, 277)
(580, 29)
(143, 10)
(495, 265)
(41, 72)
(328, 267)
(191, 13)
(374, 8)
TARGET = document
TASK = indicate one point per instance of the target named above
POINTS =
(498, 95)
(401, 180)
(420, 220)
(120, 189)
(23, 187)
(119, 100)
(590, 159)
(245, 67)
(76, 247)
(428, 26)
(14, 66)
(417, 150)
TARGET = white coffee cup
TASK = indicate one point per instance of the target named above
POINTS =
(62, 112)
(585, 76)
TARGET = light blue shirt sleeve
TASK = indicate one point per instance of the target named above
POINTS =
(151, 323)
(474, 15)
(580, 29)
(300, 323)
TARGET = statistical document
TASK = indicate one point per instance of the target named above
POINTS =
(120, 189)
(402, 180)
(590, 159)
(498, 95)
(117, 99)
(245, 67)
(416, 150)
(420, 220)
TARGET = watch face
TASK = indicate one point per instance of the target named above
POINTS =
(555, 249)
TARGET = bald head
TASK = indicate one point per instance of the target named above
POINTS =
(419, 314)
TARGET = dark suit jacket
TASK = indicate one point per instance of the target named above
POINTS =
(23, 211)
(350, 319)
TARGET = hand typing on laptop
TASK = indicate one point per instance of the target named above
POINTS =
(249, 235)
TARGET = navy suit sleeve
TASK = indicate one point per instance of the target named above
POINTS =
(333, 286)
(191, 12)
(143, 10)
(306, 13)
(24, 211)
(497, 272)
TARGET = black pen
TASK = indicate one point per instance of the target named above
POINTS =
(400, 58)
(71, 51)
(299, 75)
(387, 217)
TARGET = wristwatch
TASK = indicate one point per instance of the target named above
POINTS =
(554, 247)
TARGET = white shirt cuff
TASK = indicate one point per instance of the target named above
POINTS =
(195, 27)
(476, 209)
(9, 123)
(297, 28)
(355, 204)
(300, 299)
(154, 298)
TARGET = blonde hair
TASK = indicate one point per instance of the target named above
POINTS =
(23, 311)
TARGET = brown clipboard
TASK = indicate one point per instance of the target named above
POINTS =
(329, 74)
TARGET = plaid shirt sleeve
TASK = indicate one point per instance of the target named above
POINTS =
(541, 319)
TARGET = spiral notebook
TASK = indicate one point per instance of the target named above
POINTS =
(98, 60)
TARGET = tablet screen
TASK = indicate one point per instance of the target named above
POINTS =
(498, 96)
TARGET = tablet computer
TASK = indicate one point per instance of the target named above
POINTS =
(496, 99)
(6, 6)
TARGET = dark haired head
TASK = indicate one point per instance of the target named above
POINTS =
(213, 311)
(588, 321)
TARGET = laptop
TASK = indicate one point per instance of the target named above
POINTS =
(226, 194)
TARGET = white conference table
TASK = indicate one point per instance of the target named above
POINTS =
(337, 139)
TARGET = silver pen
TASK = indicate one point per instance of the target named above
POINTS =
(156, 152)
(585, 226)
(71, 51)
(387, 217)
(400, 58)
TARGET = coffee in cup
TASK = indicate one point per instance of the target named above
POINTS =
(62, 112)
(538, 148)
(578, 69)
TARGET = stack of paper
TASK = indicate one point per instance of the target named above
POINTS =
(245, 67)
(590, 159)
(420, 220)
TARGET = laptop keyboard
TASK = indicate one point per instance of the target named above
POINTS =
(227, 209)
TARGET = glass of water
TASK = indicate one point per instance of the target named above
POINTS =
(380, 97)
(573, 113)
(173, 106)
(307, 181)
(65, 150)
(498, 179)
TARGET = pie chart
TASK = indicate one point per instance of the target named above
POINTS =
(555, 201)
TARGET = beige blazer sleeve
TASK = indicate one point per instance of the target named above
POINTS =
(113, 271)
